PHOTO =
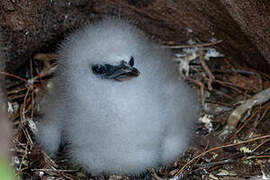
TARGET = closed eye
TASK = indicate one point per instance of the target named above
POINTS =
(98, 69)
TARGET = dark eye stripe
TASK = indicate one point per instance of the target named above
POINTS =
(109, 69)
(98, 69)
(131, 61)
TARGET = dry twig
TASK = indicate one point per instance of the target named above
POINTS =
(237, 114)
(217, 148)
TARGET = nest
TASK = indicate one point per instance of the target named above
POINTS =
(231, 140)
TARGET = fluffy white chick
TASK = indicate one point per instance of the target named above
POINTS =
(117, 102)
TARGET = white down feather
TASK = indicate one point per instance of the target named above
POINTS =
(116, 127)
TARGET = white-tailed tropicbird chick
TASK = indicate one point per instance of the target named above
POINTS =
(117, 102)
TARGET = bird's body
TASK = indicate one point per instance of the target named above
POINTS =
(115, 122)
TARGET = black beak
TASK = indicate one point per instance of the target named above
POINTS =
(122, 72)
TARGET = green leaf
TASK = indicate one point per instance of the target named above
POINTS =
(6, 171)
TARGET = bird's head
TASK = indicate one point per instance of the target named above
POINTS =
(109, 50)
